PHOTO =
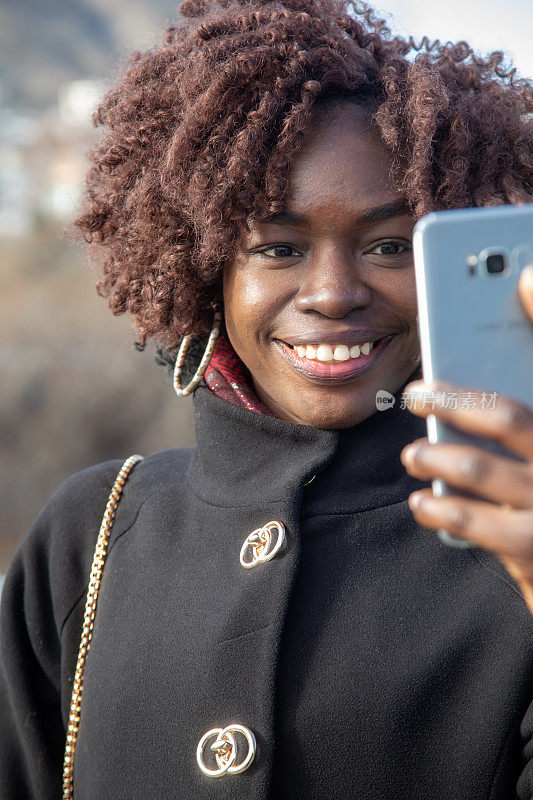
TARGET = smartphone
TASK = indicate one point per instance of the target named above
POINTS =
(472, 326)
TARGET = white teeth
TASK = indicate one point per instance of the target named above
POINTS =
(341, 353)
(324, 353)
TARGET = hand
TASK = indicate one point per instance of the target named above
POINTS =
(502, 520)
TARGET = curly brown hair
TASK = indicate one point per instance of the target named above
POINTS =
(200, 134)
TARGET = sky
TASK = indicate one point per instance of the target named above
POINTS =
(487, 25)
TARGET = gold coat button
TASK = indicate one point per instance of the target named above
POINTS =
(227, 748)
(262, 544)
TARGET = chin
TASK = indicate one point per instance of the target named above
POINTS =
(336, 413)
(338, 422)
(336, 406)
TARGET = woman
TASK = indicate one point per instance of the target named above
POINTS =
(276, 617)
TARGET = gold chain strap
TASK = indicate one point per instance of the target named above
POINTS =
(100, 553)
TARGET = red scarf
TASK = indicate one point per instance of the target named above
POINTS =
(226, 378)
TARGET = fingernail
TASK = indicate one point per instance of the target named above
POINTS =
(415, 500)
(415, 387)
(527, 275)
(408, 455)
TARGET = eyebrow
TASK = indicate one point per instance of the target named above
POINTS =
(371, 216)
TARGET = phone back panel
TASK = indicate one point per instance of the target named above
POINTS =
(473, 329)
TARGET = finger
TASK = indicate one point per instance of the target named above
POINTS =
(504, 531)
(489, 414)
(525, 289)
(495, 478)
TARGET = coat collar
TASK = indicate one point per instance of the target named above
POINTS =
(243, 458)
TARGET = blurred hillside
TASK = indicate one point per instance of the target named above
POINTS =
(44, 43)
(74, 391)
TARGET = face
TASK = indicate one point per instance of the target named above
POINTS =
(309, 287)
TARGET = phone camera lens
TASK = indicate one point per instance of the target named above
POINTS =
(495, 263)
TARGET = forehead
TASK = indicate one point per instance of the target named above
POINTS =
(342, 168)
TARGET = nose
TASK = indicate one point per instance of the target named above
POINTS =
(331, 285)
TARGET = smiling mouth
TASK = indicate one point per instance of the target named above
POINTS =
(333, 364)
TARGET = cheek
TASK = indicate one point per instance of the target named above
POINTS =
(398, 290)
(252, 303)
(411, 304)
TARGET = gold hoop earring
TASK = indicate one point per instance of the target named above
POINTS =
(202, 366)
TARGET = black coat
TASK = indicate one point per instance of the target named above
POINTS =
(369, 660)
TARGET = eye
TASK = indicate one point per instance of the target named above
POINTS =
(390, 248)
(278, 251)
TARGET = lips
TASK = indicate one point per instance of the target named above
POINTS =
(348, 337)
(333, 372)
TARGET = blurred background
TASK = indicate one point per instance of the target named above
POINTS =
(74, 391)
